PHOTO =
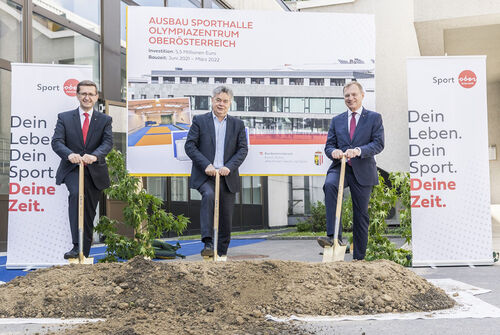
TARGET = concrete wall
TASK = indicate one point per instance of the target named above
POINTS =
(396, 40)
(429, 10)
(478, 40)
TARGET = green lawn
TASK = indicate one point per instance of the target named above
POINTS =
(345, 236)
(237, 233)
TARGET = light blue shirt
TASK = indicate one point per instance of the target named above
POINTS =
(220, 136)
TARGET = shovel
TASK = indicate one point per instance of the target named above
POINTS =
(216, 221)
(81, 258)
(336, 252)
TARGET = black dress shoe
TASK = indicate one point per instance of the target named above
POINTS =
(208, 250)
(73, 253)
(325, 241)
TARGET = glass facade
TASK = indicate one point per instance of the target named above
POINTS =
(84, 13)
(5, 81)
(69, 32)
(56, 44)
(179, 189)
(11, 31)
(157, 186)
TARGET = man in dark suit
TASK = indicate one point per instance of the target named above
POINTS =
(357, 134)
(83, 135)
(216, 142)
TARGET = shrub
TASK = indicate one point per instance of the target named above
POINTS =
(143, 213)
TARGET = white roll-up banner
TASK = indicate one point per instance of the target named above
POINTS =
(449, 167)
(38, 229)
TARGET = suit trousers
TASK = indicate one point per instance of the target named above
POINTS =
(91, 196)
(226, 206)
(360, 196)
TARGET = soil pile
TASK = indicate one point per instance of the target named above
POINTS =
(145, 297)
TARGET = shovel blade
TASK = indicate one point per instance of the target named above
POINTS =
(89, 260)
(335, 253)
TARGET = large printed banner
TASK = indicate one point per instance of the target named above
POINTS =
(449, 168)
(38, 232)
(287, 82)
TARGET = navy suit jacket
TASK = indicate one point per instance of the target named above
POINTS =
(68, 138)
(368, 136)
(200, 147)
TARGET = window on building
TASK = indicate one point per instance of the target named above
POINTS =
(186, 80)
(132, 96)
(337, 106)
(297, 105)
(11, 38)
(276, 104)
(256, 104)
(84, 13)
(246, 190)
(195, 195)
(179, 189)
(168, 80)
(143, 96)
(276, 81)
(123, 24)
(296, 81)
(154, 80)
(157, 96)
(258, 81)
(317, 105)
(157, 186)
(239, 104)
(317, 82)
(202, 80)
(337, 82)
(220, 80)
(251, 190)
(56, 44)
(154, 3)
(183, 3)
(256, 190)
(238, 80)
(201, 103)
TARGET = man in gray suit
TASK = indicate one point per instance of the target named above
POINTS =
(216, 142)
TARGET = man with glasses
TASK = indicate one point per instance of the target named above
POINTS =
(84, 136)
(216, 142)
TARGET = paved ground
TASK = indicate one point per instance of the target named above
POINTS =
(308, 251)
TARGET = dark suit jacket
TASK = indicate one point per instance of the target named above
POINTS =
(368, 136)
(68, 138)
(200, 147)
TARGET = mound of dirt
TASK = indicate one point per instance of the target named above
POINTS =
(145, 297)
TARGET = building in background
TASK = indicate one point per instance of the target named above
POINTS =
(93, 32)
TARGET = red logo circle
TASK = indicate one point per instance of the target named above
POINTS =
(467, 79)
(70, 87)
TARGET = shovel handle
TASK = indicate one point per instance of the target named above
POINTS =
(338, 212)
(81, 187)
(216, 214)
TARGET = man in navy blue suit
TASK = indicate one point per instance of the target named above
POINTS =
(357, 134)
(83, 135)
(216, 142)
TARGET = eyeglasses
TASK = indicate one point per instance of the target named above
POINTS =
(90, 95)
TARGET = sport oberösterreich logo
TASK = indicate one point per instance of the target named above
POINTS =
(70, 87)
(467, 79)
